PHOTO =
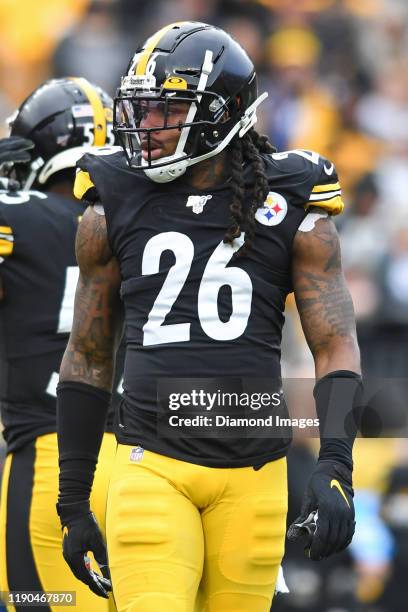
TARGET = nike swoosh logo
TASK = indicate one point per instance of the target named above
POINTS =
(329, 171)
(335, 483)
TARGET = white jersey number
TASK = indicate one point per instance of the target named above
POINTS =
(311, 156)
(216, 275)
(67, 305)
(66, 316)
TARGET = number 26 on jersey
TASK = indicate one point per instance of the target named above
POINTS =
(215, 276)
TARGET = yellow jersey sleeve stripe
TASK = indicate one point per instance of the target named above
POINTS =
(99, 115)
(151, 44)
(6, 247)
(334, 206)
(82, 184)
(322, 188)
(5, 229)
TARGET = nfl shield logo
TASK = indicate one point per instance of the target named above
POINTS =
(136, 454)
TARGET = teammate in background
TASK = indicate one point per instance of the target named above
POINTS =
(13, 150)
(38, 273)
(206, 231)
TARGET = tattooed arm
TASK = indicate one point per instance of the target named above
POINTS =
(83, 397)
(323, 300)
(96, 330)
(327, 316)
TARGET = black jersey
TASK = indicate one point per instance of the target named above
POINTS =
(39, 273)
(191, 310)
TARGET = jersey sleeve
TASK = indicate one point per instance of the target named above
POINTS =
(92, 174)
(6, 240)
(326, 191)
(84, 188)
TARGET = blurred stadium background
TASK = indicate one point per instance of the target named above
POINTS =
(337, 76)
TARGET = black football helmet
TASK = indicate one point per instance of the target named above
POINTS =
(188, 63)
(64, 118)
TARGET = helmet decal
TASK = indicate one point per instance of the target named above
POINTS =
(175, 82)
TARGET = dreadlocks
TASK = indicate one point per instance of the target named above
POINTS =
(247, 149)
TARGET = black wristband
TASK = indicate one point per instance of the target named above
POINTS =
(338, 398)
(81, 418)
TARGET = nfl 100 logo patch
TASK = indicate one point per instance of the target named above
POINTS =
(197, 202)
(273, 211)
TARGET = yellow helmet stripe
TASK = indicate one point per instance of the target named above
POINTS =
(151, 45)
(97, 108)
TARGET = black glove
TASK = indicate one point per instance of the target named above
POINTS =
(15, 149)
(80, 534)
(330, 493)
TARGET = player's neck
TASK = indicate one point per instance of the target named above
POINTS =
(209, 173)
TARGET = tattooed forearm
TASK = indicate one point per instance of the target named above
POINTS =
(91, 245)
(89, 356)
(323, 300)
(326, 304)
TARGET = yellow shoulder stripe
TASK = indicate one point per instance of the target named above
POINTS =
(152, 43)
(82, 184)
(97, 109)
(334, 206)
(322, 188)
(6, 240)
(6, 247)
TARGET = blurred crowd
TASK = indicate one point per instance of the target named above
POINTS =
(337, 78)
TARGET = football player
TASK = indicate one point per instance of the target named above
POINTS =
(38, 272)
(205, 231)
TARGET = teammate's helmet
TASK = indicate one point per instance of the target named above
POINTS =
(186, 62)
(64, 118)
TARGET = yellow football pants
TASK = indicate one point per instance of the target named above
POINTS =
(184, 537)
(30, 531)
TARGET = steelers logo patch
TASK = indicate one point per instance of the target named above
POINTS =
(273, 211)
